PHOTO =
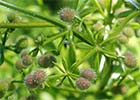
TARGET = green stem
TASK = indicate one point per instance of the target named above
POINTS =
(49, 19)
(55, 76)
(99, 7)
(25, 25)
(68, 89)
(17, 81)
(106, 74)
(54, 37)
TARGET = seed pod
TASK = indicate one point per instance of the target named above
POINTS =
(82, 83)
(23, 53)
(88, 73)
(46, 60)
(39, 76)
(27, 60)
(29, 81)
(129, 60)
(21, 44)
(121, 89)
(123, 39)
(67, 14)
(129, 32)
(19, 65)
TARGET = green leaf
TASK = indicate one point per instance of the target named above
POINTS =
(125, 13)
(1, 55)
(65, 64)
(79, 61)
(71, 54)
(86, 12)
(71, 82)
(117, 5)
(82, 38)
(34, 52)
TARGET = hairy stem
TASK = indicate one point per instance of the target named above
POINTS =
(26, 25)
(46, 18)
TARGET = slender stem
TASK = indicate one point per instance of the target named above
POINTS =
(17, 81)
(49, 19)
(51, 77)
(5, 37)
(68, 89)
(25, 25)
(99, 7)
(54, 37)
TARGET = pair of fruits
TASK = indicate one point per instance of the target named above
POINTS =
(86, 75)
(36, 79)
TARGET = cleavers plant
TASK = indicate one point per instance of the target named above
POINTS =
(80, 50)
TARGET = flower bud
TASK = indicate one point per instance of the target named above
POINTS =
(46, 60)
(82, 83)
(88, 73)
(67, 14)
(129, 60)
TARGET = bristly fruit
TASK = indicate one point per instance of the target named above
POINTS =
(82, 83)
(29, 81)
(23, 53)
(39, 76)
(27, 60)
(46, 60)
(67, 14)
(19, 65)
(129, 60)
(88, 73)
(129, 32)
(21, 44)
(123, 39)
(121, 89)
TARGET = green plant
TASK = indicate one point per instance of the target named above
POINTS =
(62, 40)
